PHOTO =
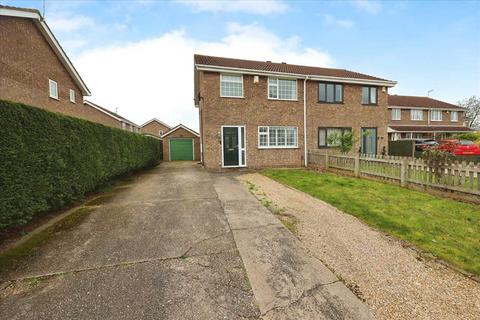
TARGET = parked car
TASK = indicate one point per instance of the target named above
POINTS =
(460, 147)
(422, 144)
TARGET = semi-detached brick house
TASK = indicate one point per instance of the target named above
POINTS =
(423, 118)
(255, 114)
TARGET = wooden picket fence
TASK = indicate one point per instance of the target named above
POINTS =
(457, 176)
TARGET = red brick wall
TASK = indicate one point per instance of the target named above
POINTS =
(406, 119)
(181, 133)
(255, 110)
(27, 62)
(153, 128)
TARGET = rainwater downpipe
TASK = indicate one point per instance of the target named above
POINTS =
(305, 154)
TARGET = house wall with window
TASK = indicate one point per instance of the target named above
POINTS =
(424, 116)
(255, 111)
(32, 73)
(154, 128)
(346, 111)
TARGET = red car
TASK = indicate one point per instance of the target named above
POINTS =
(460, 147)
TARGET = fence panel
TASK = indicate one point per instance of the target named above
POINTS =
(457, 176)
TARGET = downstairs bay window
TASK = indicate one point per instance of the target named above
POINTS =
(277, 137)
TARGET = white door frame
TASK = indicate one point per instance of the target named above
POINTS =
(240, 149)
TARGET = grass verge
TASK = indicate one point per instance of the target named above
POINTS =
(11, 256)
(447, 229)
(287, 220)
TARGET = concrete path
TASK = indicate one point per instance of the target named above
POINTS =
(287, 282)
(164, 249)
(160, 250)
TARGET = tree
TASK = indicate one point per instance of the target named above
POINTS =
(344, 142)
(472, 111)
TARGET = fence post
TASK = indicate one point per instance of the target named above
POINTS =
(357, 165)
(403, 173)
(326, 160)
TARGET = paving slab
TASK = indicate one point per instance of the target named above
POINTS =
(287, 282)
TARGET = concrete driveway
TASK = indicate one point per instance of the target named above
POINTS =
(166, 248)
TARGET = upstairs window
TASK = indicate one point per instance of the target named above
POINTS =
(72, 96)
(369, 95)
(282, 89)
(454, 116)
(396, 114)
(436, 115)
(231, 86)
(277, 137)
(416, 115)
(53, 89)
(330, 92)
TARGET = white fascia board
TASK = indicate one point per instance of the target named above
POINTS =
(63, 56)
(155, 119)
(178, 127)
(385, 83)
(11, 12)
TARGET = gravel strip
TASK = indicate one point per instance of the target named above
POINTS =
(394, 281)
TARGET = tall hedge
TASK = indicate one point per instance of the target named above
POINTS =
(48, 160)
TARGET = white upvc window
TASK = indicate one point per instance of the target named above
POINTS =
(396, 114)
(416, 114)
(72, 95)
(454, 116)
(436, 115)
(53, 89)
(277, 137)
(282, 89)
(231, 86)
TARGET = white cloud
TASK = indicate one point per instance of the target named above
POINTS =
(370, 6)
(154, 77)
(65, 22)
(330, 20)
(262, 7)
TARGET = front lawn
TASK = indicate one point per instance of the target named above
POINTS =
(446, 228)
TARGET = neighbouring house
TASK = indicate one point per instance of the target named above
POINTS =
(423, 118)
(255, 113)
(34, 69)
(155, 127)
(109, 118)
(181, 143)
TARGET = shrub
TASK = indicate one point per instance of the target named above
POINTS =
(471, 136)
(48, 160)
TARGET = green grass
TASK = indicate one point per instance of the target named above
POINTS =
(446, 228)
(9, 258)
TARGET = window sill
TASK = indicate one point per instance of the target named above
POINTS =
(227, 97)
(370, 104)
(416, 119)
(292, 100)
(436, 120)
(270, 148)
(324, 102)
(54, 98)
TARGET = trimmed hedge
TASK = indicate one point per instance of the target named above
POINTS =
(48, 160)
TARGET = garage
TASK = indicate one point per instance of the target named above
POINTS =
(181, 144)
(181, 149)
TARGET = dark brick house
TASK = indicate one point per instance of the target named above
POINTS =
(260, 114)
(412, 117)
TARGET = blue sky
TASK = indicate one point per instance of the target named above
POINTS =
(137, 55)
